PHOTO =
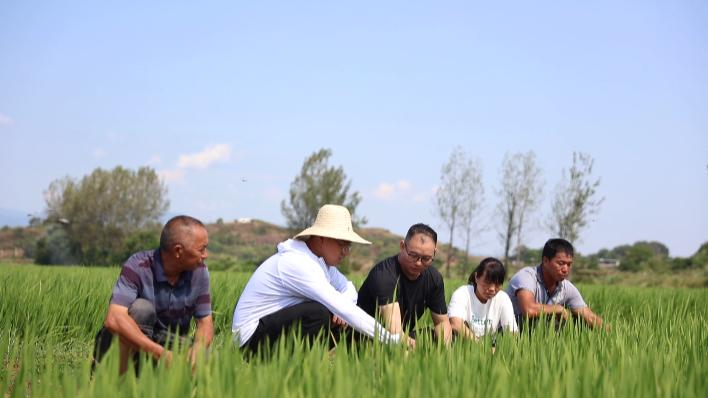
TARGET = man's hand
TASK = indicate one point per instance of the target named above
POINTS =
(167, 357)
(408, 341)
(339, 322)
(563, 314)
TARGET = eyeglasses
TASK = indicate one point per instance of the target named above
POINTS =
(344, 245)
(417, 257)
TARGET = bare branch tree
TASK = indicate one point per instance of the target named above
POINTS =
(459, 195)
(472, 203)
(531, 195)
(508, 206)
(520, 193)
(574, 202)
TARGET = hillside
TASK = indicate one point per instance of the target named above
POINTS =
(244, 245)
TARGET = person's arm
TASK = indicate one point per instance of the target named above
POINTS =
(580, 309)
(460, 327)
(590, 318)
(120, 323)
(202, 337)
(438, 308)
(443, 330)
(507, 320)
(307, 281)
(392, 321)
(342, 284)
(531, 309)
(205, 331)
(458, 311)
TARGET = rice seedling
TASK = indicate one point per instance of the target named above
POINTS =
(657, 347)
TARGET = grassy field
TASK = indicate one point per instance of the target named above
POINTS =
(657, 347)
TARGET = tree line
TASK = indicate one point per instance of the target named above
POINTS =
(105, 216)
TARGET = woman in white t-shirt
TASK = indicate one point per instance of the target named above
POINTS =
(481, 307)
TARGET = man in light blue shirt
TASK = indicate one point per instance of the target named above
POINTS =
(545, 289)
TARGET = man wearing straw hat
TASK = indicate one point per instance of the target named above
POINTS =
(300, 287)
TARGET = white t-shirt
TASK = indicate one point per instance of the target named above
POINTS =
(292, 276)
(482, 317)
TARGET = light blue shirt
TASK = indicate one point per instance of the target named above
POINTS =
(531, 279)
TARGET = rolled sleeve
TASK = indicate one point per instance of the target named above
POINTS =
(506, 317)
(574, 299)
(382, 286)
(126, 288)
(522, 280)
(436, 300)
(203, 297)
(459, 303)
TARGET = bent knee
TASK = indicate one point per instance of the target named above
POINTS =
(319, 312)
(143, 312)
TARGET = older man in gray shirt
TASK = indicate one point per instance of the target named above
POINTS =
(544, 290)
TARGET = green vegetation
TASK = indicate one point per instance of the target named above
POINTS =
(657, 347)
(95, 220)
(242, 246)
(318, 184)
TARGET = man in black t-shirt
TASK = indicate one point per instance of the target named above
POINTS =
(401, 287)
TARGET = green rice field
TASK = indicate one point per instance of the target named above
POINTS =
(657, 346)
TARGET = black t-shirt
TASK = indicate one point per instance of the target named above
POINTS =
(428, 291)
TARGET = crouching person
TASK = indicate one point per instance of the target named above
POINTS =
(481, 307)
(300, 289)
(156, 296)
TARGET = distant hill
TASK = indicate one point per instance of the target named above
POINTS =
(244, 245)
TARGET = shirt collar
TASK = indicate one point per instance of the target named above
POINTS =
(158, 270)
(539, 278)
(301, 247)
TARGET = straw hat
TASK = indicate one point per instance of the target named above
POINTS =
(333, 221)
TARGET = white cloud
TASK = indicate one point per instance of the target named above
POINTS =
(388, 191)
(202, 160)
(384, 191)
(403, 185)
(171, 175)
(5, 120)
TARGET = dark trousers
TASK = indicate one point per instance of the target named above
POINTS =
(144, 314)
(309, 319)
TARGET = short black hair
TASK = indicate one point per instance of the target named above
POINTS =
(491, 269)
(175, 229)
(424, 229)
(553, 246)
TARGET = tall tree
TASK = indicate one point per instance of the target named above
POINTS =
(316, 185)
(104, 208)
(519, 195)
(575, 199)
(472, 206)
(459, 196)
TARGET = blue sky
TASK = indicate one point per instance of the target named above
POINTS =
(226, 100)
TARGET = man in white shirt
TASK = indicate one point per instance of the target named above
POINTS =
(300, 286)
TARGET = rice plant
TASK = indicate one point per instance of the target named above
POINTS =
(657, 347)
